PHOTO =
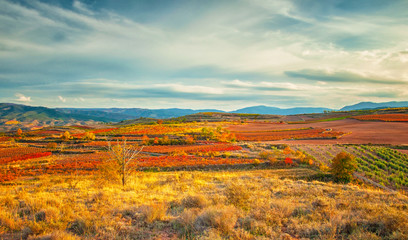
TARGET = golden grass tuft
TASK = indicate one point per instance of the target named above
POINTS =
(195, 201)
(154, 212)
(221, 217)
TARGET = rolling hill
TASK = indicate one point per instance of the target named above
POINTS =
(30, 116)
(373, 105)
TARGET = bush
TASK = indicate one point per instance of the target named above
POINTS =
(66, 136)
(89, 136)
(197, 201)
(238, 195)
(222, 218)
(154, 212)
(77, 227)
(288, 161)
(264, 155)
(343, 166)
(185, 223)
(256, 162)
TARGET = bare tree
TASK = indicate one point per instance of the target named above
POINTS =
(122, 156)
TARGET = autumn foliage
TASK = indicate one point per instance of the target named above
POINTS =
(384, 117)
(288, 161)
(316, 133)
(343, 166)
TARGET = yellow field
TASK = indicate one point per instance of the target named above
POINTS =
(257, 204)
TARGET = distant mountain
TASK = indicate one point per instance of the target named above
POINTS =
(28, 116)
(280, 111)
(373, 105)
(23, 113)
(119, 114)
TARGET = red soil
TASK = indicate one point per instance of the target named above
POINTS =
(357, 132)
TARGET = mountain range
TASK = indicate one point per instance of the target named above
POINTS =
(24, 113)
(372, 105)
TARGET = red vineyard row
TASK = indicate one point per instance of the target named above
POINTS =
(384, 117)
(291, 134)
(192, 148)
(88, 164)
(8, 155)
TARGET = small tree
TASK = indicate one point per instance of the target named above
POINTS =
(122, 155)
(145, 140)
(89, 136)
(343, 167)
(66, 136)
(19, 132)
(189, 139)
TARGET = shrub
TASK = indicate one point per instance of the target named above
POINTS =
(89, 136)
(66, 136)
(189, 139)
(19, 132)
(264, 155)
(59, 235)
(343, 166)
(323, 167)
(288, 161)
(52, 145)
(185, 223)
(77, 227)
(196, 201)
(221, 217)
(287, 150)
(40, 216)
(154, 212)
(272, 160)
(145, 140)
(256, 161)
(238, 195)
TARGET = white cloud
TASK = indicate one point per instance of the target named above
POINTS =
(22, 98)
(62, 99)
(81, 7)
(190, 89)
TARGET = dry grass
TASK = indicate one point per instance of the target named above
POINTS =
(200, 205)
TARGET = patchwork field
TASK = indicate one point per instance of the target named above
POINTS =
(354, 131)
(205, 180)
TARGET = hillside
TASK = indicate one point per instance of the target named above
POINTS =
(372, 105)
(120, 114)
(29, 116)
(280, 111)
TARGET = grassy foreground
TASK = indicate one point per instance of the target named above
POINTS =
(258, 204)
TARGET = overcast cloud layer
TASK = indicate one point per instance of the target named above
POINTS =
(203, 54)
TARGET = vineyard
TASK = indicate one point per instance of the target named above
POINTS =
(383, 165)
(8, 155)
(192, 148)
(284, 134)
(66, 150)
(384, 117)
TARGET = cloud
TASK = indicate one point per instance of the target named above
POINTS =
(262, 86)
(189, 50)
(81, 7)
(341, 77)
(22, 98)
(62, 99)
(391, 94)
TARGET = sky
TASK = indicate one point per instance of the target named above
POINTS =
(203, 54)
